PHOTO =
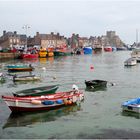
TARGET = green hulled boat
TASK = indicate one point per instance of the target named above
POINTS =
(39, 91)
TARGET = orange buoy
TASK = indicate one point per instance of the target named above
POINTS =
(69, 102)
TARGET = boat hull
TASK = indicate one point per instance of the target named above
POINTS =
(19, 69)
(61, 53)
(132, 105)
(132, 108)
(29, 56)
(108, 49)
(32, 109)
(96, 83)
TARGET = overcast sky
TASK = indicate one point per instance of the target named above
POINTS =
(84, 17)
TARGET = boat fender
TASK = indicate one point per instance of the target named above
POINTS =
(48, 102)
(59, 101)
(65, 101)
(36, 102)
(69, 102)
(16, 102)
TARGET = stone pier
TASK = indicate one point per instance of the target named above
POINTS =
(8, 55)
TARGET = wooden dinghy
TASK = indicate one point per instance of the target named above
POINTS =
(48, 102)
(26, 78)
(38, 91)
(96, 83)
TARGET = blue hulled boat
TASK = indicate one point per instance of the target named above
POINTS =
(132, 105)
(87, 50)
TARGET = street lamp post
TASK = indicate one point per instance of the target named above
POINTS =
(26, 27)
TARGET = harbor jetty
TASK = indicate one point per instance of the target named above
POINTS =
(8, 55)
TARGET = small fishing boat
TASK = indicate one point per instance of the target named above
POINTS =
(136, 54)
(26, 78)
(38, 91)
(42, 53)
(108, 48)
(29, 55)
(61, 52)
(20, 68)
(95, 83)
(87, 50)
(132, 105)
(130, 62)
(17, 66)
(41, 103)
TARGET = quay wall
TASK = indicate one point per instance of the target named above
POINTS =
(8, 55)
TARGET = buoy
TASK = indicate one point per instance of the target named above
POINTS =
(65, 101)
(69, 102)
(91, 67)
(54, 77)
(43, 68)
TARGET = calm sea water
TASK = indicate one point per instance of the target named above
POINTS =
(99, 116)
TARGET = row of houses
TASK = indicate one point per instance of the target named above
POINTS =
(10, 40)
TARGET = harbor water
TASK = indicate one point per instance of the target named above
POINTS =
(98, 116)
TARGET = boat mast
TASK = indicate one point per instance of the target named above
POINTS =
(136, 37)
(26, 27)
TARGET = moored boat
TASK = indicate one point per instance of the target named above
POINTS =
(48, 102)
(62, 51)
(87, 50)
(17, 66)
(130, 62)
(108, 48)
(26, 78)
(20, 68)
(136, 54)
(132, 105)
(38, 91)
(50, 54)
(95, 83)
(28, 56)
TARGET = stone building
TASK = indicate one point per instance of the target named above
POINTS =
(48, 40)
(83, 42)
(11, 39)
(114, 39)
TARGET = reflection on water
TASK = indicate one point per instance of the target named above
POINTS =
(131, 114)
(96, 89)
(24, 119)
(44, 60)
